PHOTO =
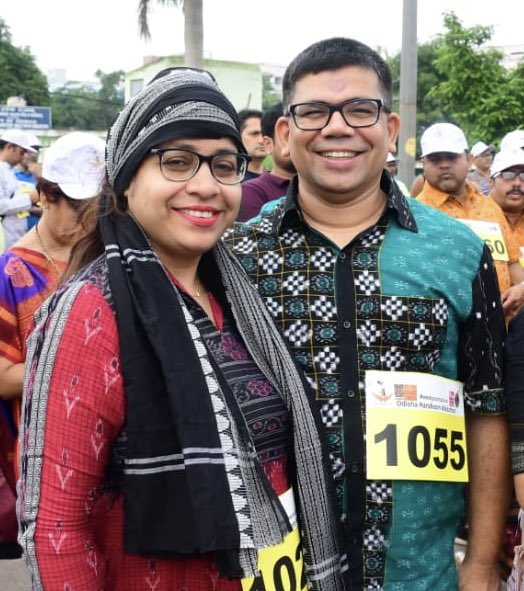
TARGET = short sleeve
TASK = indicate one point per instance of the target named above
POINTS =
(481, 343)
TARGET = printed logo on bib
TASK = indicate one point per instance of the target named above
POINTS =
(492, 235)
(281, 566)
(415, 427)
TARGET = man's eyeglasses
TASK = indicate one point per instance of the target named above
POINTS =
(509, 175)
(181, 165)
(314, 116)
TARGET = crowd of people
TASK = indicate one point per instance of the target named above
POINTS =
(215, 376)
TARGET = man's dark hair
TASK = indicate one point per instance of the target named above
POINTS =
(332, 54)
(245, 114)
(269, 119)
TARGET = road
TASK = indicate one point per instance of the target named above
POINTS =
(13, 576)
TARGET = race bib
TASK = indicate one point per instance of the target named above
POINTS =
(415, 427)
(282, 566)
(492, 235)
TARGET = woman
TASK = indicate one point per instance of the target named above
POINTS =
(164, 420)
(31, 269)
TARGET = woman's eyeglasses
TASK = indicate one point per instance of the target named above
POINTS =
(181, 165)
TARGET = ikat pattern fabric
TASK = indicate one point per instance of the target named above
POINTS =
(399, 297)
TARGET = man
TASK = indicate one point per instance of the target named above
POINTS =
(269, 185)
(392, 168)
(14, 144)
(27, 173)
(251, 134)
(507, 190)
(446, 164)
(482, 158)
(375, 297)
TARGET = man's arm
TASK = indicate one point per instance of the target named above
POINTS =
(488, 500)
(19, 202)
(481, 368)
(513, 297)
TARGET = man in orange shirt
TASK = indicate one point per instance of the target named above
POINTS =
(446, 163)
(507, 190)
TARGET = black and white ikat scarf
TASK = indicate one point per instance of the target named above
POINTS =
(192, 480)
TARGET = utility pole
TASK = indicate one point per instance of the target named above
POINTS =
(408, 93)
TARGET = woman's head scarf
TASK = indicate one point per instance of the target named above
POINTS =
(178, 102)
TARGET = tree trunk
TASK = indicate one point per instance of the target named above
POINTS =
(194, 33)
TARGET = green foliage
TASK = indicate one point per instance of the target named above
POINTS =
(462, 82)
(269, 96)
(474, 91)
(19, 73)
(85, 108)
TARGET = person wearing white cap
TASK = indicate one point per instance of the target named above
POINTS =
(446, 163)
(482, 155)
(32, 268)
(14, 203)
(513, 140)
(507, 190)
(391, 167)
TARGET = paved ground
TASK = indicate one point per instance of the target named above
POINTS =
(13, 576)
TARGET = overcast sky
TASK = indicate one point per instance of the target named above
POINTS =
(103, 34)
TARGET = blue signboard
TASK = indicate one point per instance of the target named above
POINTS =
(34, 118)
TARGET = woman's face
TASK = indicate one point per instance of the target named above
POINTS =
(183, 219)
(63, 220)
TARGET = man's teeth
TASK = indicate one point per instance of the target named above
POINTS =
(339, 154)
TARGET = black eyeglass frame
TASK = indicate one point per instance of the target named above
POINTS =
(380, 103)
(201, 159)
(501, 174)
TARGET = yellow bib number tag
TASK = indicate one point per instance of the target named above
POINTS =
(415, 427)
(281, 566)
(492, 235)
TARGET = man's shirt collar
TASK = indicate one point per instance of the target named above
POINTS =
(288, 212)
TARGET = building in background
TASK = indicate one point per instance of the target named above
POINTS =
(241, 82)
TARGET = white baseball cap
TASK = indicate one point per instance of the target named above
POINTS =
(75, 162)
(512, 140)
(479, 148)
(443, 137)
(507, 159)
(21, 138)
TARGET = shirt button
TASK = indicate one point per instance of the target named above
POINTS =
(342, 256)
(346, 324)
(350, 393)
(354, 468)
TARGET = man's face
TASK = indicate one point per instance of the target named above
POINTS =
(280, 155)
(446, 171)
(252, 138)
(509, 194)
(15, 154)
(483, 161)
(339, 163)
(391, 167)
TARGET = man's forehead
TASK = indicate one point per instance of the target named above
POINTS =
(355, 81)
